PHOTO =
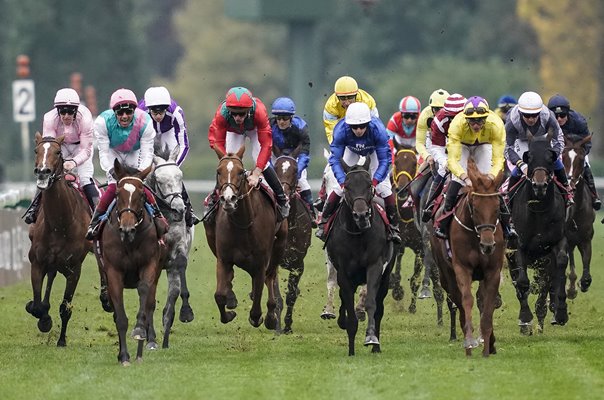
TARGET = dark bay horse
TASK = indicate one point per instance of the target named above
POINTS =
(477, 253)
(361, 254)
(130, 254)
(539, 214)
(298, 236)
(245, 233)
(579, 228)
(166, 183)
(404, 173)
(57, 237)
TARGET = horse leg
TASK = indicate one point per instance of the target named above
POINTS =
(224, 277)
(489, 289)
(45, 322)
(572, 276)
(36, 307)
(255, 316)
(585, 250)
(279, 307)
(66, 306)
(452, 315)
(115, 289)
(521, 282)
(271, 281)
(332, 284)
(398, 293)
(168, 313)
(464, 283)
(292, 294)
(379, 310)
(144, 328)
(348, 316)
(186, 312)
(425, 291)
(414, 284)
(439, 293)
(359, 309)
(559, 284)
(373, 283)
(103, 295)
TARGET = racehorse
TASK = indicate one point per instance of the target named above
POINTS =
(539, 213)
(245, 232)
(361, 254)
(477, 252)
(404, 172)
(298, 236)
(166, 184)
(57, 237)
(130, 252)
(579, 228)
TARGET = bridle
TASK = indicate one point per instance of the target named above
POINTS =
(480, 227)
(236, 188)
(54, 176)
(352, 202)
(137, 213)
(292, 186)
(167, 198)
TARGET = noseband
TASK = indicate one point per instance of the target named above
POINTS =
(359, 198)
(166, 196)
(137, 213)
(480, 227)
(236, 189)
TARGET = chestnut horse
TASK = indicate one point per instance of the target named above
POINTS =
(361, 254)
(57, 237)
(298, 236)
(579, 228)
(130, 256)
(477, 251)
(245, 233)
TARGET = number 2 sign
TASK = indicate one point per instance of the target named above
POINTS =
(24, 101)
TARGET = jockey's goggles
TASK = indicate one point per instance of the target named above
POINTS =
(67, 110)
(529, 116)
(283, 117)
(350, 97)
(238, 113)
(475, 110)
(158, 109)
(409, 116)
(119, 111)
(561, 115)
(480, 120)
(436, 109)
(359, 126)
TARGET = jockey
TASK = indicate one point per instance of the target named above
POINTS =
(360, 134)
(124, 132)
(422, 139)
(74, 121)
(479, 133)
(239, 116)
(168, 119)
(403, 123)
(291, 138)
(530, 115)
(439, 131)
(574, 127)
(504, 105)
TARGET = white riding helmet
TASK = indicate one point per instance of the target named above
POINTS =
(530, 103)
(157, 96)
(67, 97)
(358, 113)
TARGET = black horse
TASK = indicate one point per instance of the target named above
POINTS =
(538, 211)
(360, 252)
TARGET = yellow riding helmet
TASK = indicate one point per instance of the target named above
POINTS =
(346, 86)
(438, 98)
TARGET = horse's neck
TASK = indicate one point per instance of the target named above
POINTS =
(59, 203)
(244, 213)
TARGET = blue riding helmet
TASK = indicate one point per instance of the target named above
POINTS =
(283, 106)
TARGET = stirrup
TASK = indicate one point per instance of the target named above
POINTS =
(440, 234)
(283, 211)
(320, 233)
(93, 231)
(596, 204)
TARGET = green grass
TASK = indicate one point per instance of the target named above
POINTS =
(209, 360)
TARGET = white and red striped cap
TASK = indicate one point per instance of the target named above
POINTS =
(454, 104)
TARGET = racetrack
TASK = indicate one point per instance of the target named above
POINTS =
(210, 360)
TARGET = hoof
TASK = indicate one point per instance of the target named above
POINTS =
(139, 333)
(398, 293)
(287, 330)
(498, 301)
(526, 330)
(371, 340)
(152, 346)
(232, 303)
(470, 343)
(571, 293)
(257, 323)
(125, 363)
(270, 322)
(327, 315)
(29, 307)
(412, 308)
(360, 315)
(585, 284)
(228, 317)
(61, 343)
(45, 324)
(425, 293)
(186, 314)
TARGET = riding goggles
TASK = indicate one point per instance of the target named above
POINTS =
(67, 110)
(475, 110)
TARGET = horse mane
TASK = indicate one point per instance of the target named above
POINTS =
(161, 152)
(481, 182)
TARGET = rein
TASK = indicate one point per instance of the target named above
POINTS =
(480, 227)
(139, 214)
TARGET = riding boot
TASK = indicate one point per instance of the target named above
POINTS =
(190, 217)
(320, 201)
(567, 190)
(161, 223)
(210, 207)
(328, 210)
(93, 228)
(282, 200)
(435, 189)
(307, 197)
(442, 230)
(589, 180)
(392, 213)
(32, 212)
(92, 195)
(509, 233)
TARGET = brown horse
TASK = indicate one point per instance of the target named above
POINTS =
(298, 236)
(477, 251)
(579, 228)
(245, 232)
(404, 171)
(130, 253)
(57, 237)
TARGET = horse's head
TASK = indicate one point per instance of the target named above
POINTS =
(230, 179)
(48, 165)
(167, 181)
(286, 168)
(358, 193)
(540, 159)
(483, 206)
(130, 199)
(573, 157)
(404, 170)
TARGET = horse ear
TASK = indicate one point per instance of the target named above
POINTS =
(472, 170)
(219, 152)
(366, 163)
(326, 153)
(345, 166)
(174, 153)
(118, 169)
(499, 179)
(143, 174)
(241, 151)
(60, 139)
(158, 160)
(525, 157)
(38, 137)
(585, 140)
